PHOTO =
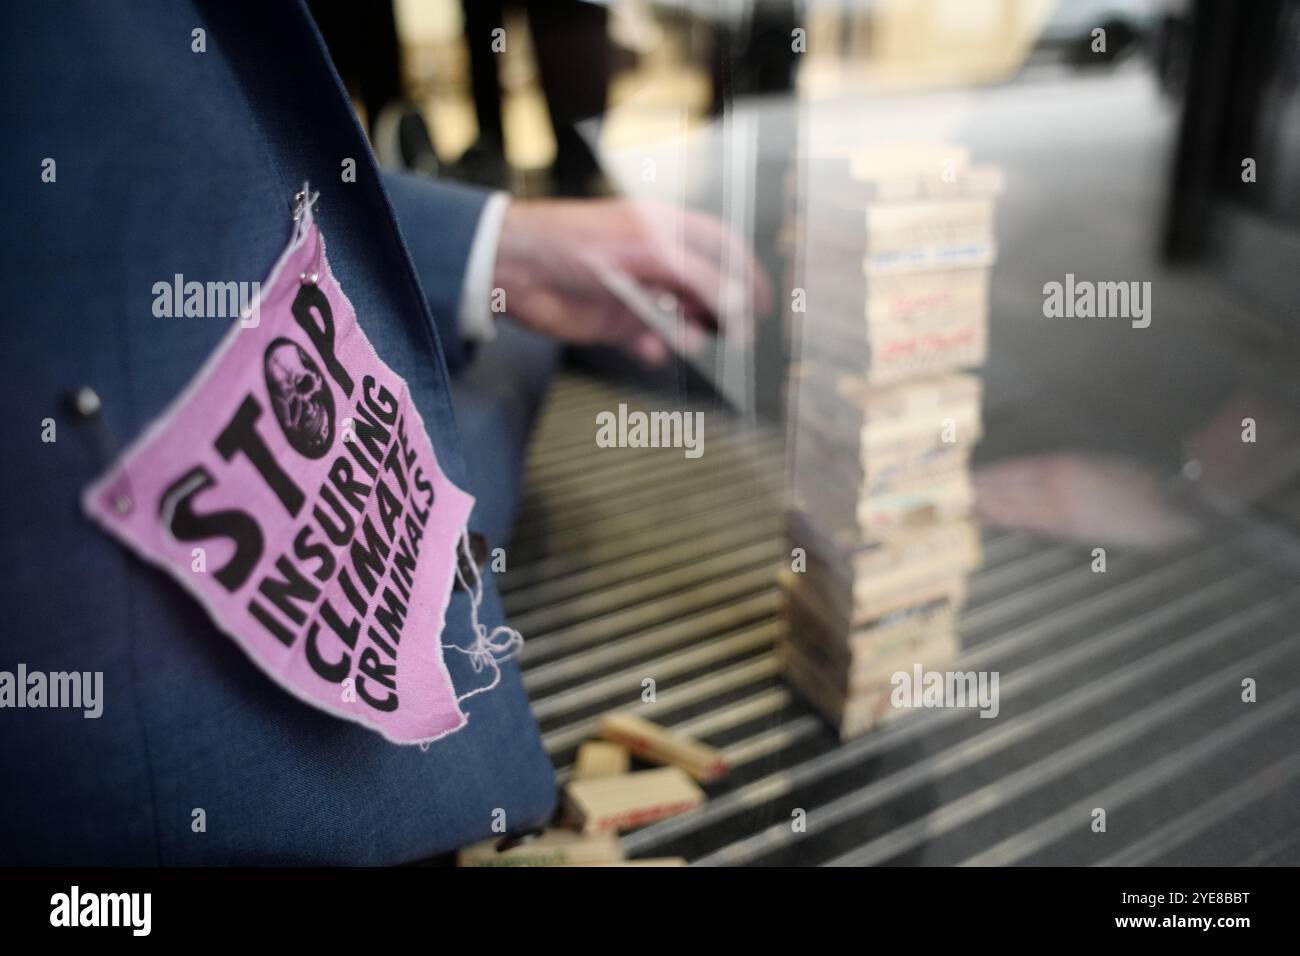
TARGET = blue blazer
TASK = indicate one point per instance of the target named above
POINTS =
(173, 161)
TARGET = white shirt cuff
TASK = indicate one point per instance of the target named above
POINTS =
(475, 318)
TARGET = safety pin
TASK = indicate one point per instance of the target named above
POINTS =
(302, 201)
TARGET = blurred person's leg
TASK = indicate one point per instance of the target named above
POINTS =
(362, 40)
(756, 57)
(363, 43)
(484, 162)
(574, 62)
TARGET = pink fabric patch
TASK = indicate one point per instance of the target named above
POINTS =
(298, 463)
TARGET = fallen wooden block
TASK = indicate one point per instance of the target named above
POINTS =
(598, 758)
(648, 861)
(551, 848)
(631, 799)
(659, 745)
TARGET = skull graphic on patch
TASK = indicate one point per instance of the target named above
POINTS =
(303, 402)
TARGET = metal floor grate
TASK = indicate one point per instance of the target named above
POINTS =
(1119, 690)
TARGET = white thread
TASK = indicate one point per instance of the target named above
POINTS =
(489, 649)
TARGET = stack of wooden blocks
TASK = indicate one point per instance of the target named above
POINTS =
(893, 252)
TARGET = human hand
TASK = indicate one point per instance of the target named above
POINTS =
(553, 253)
(1080, 497)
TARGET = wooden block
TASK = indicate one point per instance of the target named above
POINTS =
(948, 499)
(884, 355)
(647, 861)
(552, 848)
(907, 507)
(835, 603)
(855, 560)
(850, 717)
(868, 406)
(598, 758)
(867, 673)
(874, 474)
(841, 643)
(874, 573)
(657, 744)
(906, 159)
(631, 799)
